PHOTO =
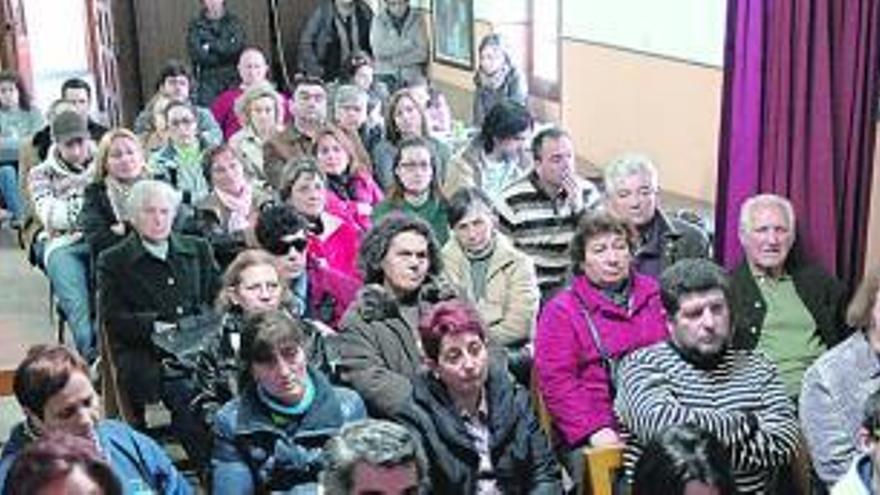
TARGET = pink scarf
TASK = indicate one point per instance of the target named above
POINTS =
(239, 206)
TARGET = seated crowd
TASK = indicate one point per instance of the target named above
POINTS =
(331, 292)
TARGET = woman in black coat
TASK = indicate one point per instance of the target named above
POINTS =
(477, 427)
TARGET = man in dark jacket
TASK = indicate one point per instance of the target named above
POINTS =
(214, 40)
(478, 428)
(78, 95)
(148, 284)
(792, 311)
(632, 193)
(336, 30)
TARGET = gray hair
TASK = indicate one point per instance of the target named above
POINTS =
(148, 188)
(260, 90)
(764, 201)
(627, 165)
(348, 93)
(372, 441)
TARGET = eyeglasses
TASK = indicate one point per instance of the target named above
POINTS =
(284, 244)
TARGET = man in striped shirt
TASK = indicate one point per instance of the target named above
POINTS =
(696, 377)
(540, 210)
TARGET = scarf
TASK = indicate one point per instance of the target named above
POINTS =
(495, 80)
(279, 408)
(342, 185)
(118, 194)
(239, 206)
(347, 44)
(479, 261)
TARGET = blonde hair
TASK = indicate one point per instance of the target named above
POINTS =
(103, 153)
(232, 275)
(859, 313)
(253, 93)
(357, 163)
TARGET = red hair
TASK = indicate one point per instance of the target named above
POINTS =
(451, 317)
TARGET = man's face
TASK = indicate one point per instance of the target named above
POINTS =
(509, 148)
(369, 479)
(405, 265)
(397, 7)
(634, 199)
(176, 87)
(768, 239)
(556, 161)
(76, 151)
(154, 219)
(292, 264)
(701, 326)
(78, 99)
(310, 103)
(75, 409)
(252, 67)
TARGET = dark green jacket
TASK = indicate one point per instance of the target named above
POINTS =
(136, 290)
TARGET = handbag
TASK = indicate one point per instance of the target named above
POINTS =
(180, 347)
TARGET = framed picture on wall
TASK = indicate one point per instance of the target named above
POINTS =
(454, 33)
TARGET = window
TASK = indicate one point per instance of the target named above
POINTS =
(544, 49)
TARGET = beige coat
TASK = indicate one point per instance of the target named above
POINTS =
(510, 305)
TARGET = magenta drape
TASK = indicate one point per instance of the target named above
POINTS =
(799, 101)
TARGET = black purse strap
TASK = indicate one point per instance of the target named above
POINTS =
(604, 355)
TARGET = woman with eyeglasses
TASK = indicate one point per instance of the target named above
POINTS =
(416, 190)
(319, 293)
(270, 438)
(180, 162)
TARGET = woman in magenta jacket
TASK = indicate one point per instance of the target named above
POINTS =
(607, 311)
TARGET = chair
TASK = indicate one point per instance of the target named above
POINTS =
(600, 466)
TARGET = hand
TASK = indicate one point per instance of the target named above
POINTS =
(118, 228)
(322, 327)
(573, 191)
(604, 437)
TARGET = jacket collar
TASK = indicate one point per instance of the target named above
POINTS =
(177, 246)
(642, 289)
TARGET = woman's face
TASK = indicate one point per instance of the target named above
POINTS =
(284, 376)
(182, 126)
(462, 364)
(606, 259)
(259, 289)
(74, 409)
(363, 77)
(491, 59)
(263, 113)
(332, 157)
(227, 173)
(307, 195)
(407, 117)
(8, 94)
(405, 265)
(125, 160)
(414, 169)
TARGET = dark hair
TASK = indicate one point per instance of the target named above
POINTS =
(392, 132)
(44, 372)
(546, 134)
(449, 317)
(210, 155)
(681, 454)
(75, 83)
(463, 201)
(173, 68)
(24, 98)
(871, 415)
(592, 224)
(55, 455)
(305, 80)
(506, 119)
(275, 222)
(355, 61)
(378, 239)
(687, 277)
(294, 170)
(263, 334)
(491, 39)
(397, 191)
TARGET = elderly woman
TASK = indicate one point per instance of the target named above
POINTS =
(836, 386)
(605, 312)
(351, 190)
(332, 240)
(226, 217)
(151, 283)
(53, 388)
(260, 110)
(497, 78)
(270, 438)
(416, 189)
(405, 118)
(379, 354)
(320, 293)
(180, 162)
(478, 429)
(497, 276)
(105, 218)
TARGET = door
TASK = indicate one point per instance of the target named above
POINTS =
(103, 60)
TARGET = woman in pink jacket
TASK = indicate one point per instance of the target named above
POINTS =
(607, 311)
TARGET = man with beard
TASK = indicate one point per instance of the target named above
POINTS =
(697, 377)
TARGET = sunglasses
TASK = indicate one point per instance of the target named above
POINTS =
(283, 246)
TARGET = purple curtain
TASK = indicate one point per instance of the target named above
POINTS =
(799, 100)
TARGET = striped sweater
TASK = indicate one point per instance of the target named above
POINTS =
(741, 401)
(542, 227)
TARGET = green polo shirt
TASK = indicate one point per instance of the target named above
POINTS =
(788, 335)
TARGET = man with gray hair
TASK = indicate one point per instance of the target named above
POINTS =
(376, 457)
(632, 194)
(789, 309)
(151, 282)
